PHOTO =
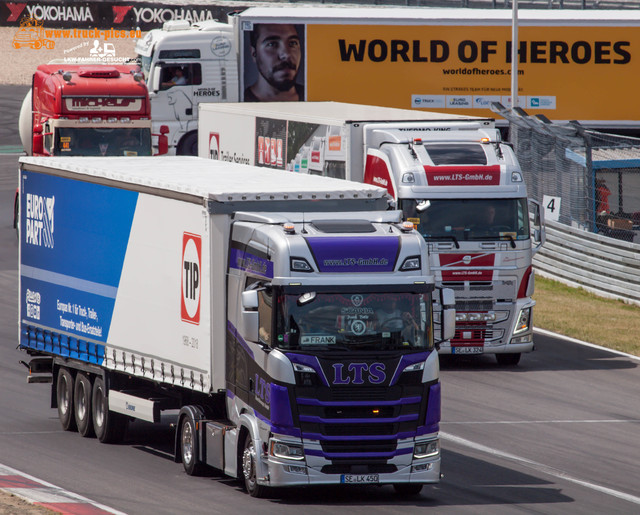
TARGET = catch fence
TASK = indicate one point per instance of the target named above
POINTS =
(589, 185)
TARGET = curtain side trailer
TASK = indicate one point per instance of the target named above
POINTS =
(259, 305)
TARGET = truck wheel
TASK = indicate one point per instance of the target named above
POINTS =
(82, 405)
(189, 145)
(189, 447)
(64, 397)
(407, 488)
(249, 460)
(509, 359)
(108, 425)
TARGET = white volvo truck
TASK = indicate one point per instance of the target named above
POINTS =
(255, 303)
(452, 176)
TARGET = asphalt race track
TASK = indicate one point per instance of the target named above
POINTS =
(557, 434)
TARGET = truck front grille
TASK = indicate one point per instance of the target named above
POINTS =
(362, 424)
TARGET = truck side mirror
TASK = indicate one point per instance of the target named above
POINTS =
(536, 217)
(155, 78)
(38, 141)
(163, 140)
(250, 316)
(448, 314)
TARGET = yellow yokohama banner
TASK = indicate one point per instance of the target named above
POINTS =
(565, 73)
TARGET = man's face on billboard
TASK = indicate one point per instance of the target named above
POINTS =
(277, 54)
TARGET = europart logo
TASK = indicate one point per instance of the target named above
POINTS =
(191, 278)
(39, 220)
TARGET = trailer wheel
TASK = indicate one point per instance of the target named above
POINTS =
(109, 426)
(249, 460)
(82, 405)
(189, 447)
(407, 489)
(64, 397)
(509, 359)
(189, 145)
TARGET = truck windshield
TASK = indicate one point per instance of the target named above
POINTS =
(353, 321)
(89, 141)
(469, 219)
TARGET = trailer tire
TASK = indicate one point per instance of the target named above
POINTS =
(64, 398)
(189, 447)
(408, 489)
(188, 146)
(109, 426)
(510, 359)
(82, 405)
(249, 460)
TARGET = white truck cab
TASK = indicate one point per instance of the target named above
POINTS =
(205, 53)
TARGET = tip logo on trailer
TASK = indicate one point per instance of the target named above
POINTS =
(191, 277)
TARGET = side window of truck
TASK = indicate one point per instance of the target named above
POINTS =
(174, 75)
(265, 310)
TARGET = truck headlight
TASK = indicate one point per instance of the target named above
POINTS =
(287, 451)
(426, 449)
(411, 263)
(416, 367)
(524, 319)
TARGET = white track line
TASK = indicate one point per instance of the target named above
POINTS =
(540, 467)
(586, 344)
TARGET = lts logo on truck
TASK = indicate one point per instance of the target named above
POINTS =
(191, 266)
(39, 220)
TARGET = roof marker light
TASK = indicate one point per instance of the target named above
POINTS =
(407, 226)
(289, 228)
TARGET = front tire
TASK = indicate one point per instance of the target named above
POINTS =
(64, 397)
(109, 426)
(189, 145)
(82, 405)
(249, 462)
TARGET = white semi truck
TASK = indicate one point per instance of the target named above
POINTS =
(258, 304)
(452, 60)
(452, 176)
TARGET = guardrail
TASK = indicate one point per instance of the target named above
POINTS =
(605, 266)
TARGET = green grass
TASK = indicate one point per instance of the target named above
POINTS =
(579, 314)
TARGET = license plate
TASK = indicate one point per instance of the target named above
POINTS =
(467, 350)
(359, 479)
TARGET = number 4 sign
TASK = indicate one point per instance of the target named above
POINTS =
(551, 207)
